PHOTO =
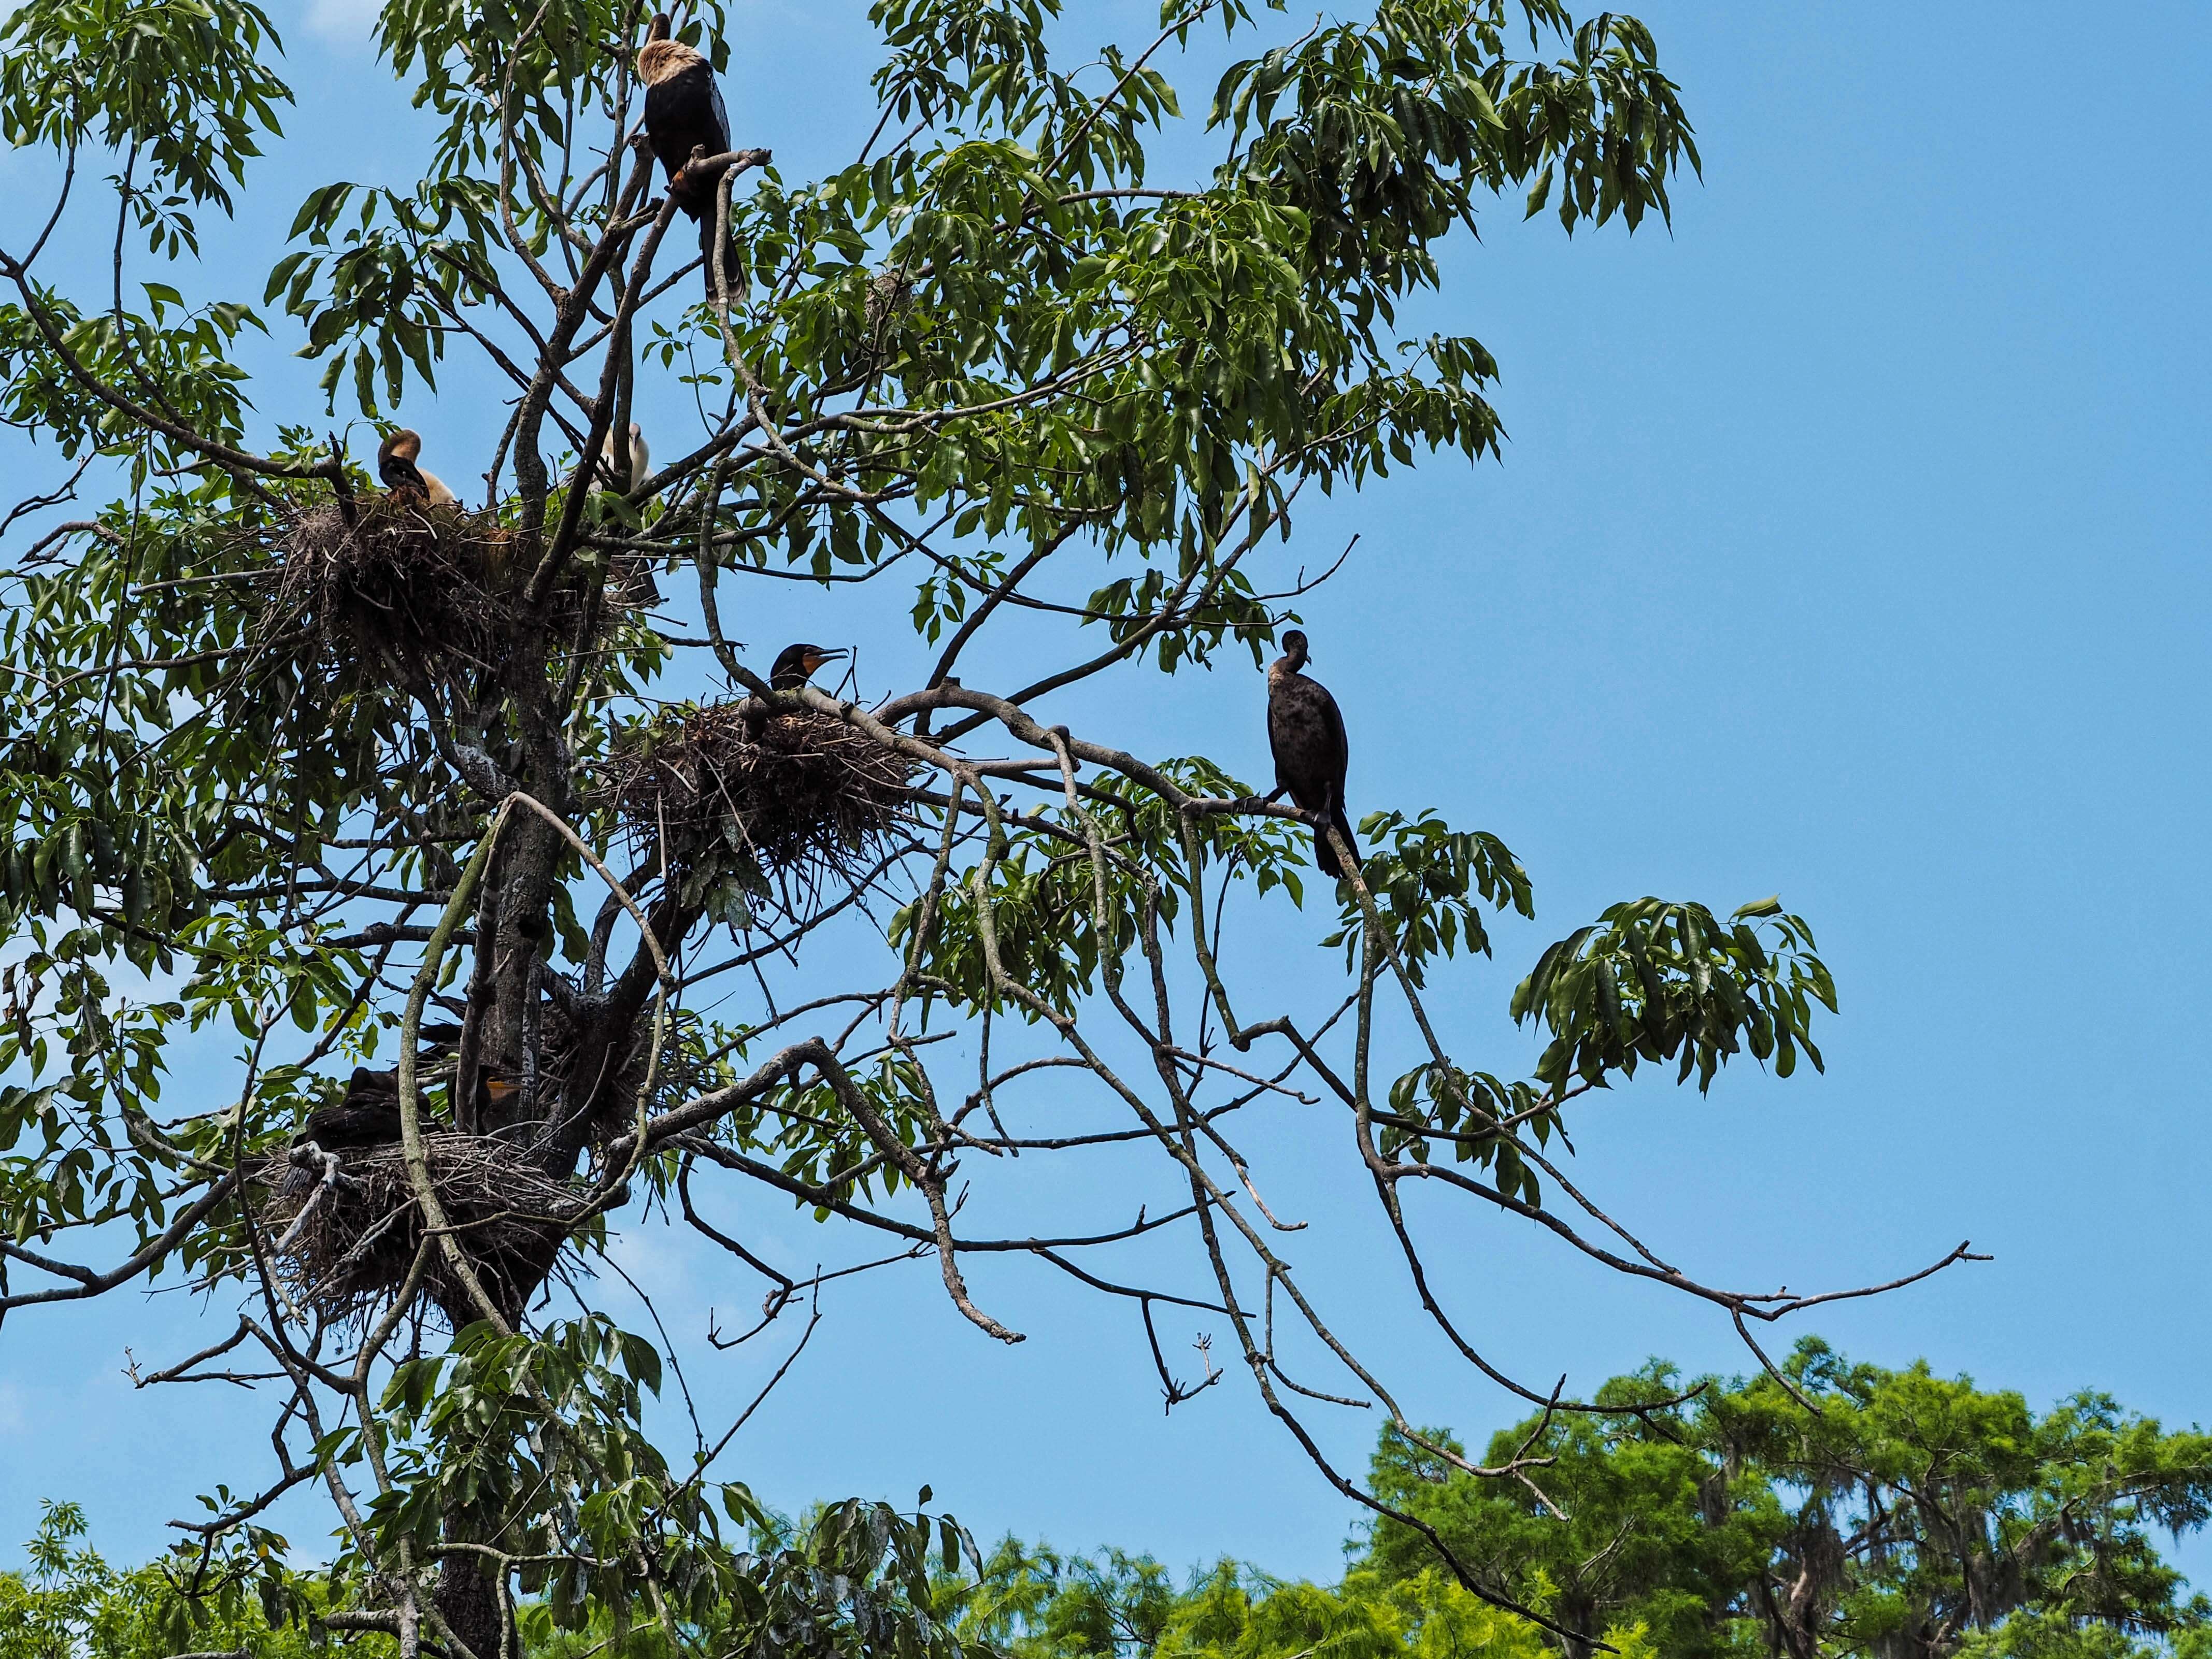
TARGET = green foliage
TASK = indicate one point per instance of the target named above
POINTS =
(396, 273)
(255, 720)
(1076, 346)
(2054, 1636)
(1427, 879)
(1910, 1509)
(182, 357)
(1034, 1603)
(542, 1433)
(488, 67)
(811, 1137)
(73, 1605)
(852, 1581)
(1057, 925)
(1660, 981)
(857, 1580)
(182, 80)
(538, 1439)
(1407, 121)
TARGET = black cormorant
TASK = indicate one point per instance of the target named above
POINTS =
(1306, 731)
(796, 664)
(395, 465)
(368, 1115)
(683, 113)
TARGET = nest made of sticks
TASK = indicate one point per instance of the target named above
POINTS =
(408, 583)
(798, 792)
(349, 1240)
(405, 579)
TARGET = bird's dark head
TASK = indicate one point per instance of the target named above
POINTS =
(402, 446)
(1294, 648)
(796, 664)
(660, 28)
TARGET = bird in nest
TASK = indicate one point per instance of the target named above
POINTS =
(625, 466)
(1305, 730)
(396, 466)
(795, 664)
(683, 113)
(368, 1116)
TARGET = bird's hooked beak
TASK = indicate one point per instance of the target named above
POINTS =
(816, 658)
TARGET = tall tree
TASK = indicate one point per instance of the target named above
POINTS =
(353, 770)
(1830, 1509)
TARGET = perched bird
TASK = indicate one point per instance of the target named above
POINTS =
(493, 1090)
(368, 1116)
(796, 664)
(395, 465)
(683, 113)
(640, 458)
(1306, 731)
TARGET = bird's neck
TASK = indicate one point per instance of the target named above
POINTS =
(663, 60)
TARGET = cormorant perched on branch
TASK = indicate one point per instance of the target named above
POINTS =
(683, 113)
(796, 664)
(395, 465)
(1306, 731)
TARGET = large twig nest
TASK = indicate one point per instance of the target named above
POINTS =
(348, 1237)
(408, 584)
(405, 579)
(796, 793)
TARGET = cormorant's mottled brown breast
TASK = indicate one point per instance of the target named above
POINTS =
(1305, 730)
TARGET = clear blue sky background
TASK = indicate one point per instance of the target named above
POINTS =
(1850, 544)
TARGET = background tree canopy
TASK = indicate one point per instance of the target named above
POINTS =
(1849, 1510)
(1834, 1508)
(366, 777)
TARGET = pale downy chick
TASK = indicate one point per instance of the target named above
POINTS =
(640, 459)
(396, 466)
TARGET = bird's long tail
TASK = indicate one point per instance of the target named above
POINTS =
(730, 272)
(1325, 855)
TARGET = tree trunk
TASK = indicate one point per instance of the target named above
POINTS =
(468, 1601)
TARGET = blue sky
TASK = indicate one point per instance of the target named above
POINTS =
(1850, 544)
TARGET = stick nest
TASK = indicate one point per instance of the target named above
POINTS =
(358, 1241)
(407, 584)
(405, 580)
(798, 793)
